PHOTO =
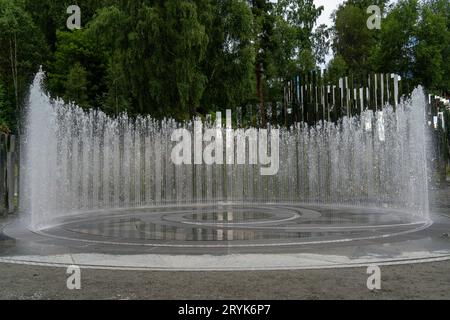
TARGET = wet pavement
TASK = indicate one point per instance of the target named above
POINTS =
(231, 237)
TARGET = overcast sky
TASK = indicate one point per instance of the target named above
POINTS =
(329, 7)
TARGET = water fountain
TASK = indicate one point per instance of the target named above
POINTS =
(77, 161)
(90, 179)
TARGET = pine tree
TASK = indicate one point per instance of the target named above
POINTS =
(76, 89)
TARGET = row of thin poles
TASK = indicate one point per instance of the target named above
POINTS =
(314, 97)
(438, 115)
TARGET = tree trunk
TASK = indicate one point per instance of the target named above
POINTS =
(191, 108)
(260, 93)
(13, 60)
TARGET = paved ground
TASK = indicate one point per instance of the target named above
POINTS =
(419, 281)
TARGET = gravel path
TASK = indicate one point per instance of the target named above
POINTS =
(420, 281)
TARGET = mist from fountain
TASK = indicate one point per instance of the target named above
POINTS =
(76, 161)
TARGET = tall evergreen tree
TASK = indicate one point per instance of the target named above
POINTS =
(23, 50)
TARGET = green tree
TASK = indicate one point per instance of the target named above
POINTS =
(23, 48)
(432, 50)
(299, 46)
(229, 67)
(352, 39)
(286, 44)
(337, 68)
(76, 85)
(161, 48)
(395, 52)
(51, 15)
(413, 41)
(263, 27)
(75, 50)
(107, 29)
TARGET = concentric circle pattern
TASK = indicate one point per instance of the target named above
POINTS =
(233, 226)
(229, 237)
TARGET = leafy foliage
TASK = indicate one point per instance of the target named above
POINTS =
(22, 51)
(413, 41)
(180, 58)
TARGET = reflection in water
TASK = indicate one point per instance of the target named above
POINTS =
(222, 217)
(235, 223)
(139, 230)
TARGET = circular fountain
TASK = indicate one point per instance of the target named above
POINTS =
(105, 192)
